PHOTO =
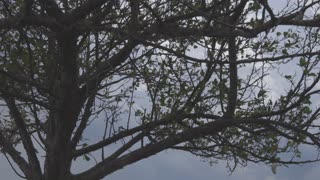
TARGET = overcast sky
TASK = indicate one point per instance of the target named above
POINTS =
(174, 165)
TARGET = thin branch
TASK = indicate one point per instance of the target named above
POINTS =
(277, 58)
(125, 147)
(104, 168)
(120, 135)
(15, 155)
(13, 168)
(26, 140)
(105, 67)
(83, 123)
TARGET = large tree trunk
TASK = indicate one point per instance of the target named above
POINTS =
(66, 102)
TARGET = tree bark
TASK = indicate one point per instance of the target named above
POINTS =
(67, 106)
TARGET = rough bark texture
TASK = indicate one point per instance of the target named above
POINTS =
(67, 105)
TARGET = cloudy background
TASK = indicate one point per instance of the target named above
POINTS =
(173, 165)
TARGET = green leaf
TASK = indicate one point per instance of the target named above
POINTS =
(261, 93)
(162, 100)
(303, 62)
(255, 6)
(307, 100)
(85, 157)
(285, 51)
(138, 113)
(312, 74)
(306, 110)
(288, 76)
(84, 145)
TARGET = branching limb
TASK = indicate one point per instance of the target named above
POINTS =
(25, 137)
(15, 155)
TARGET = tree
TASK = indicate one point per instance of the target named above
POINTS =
(203, 68)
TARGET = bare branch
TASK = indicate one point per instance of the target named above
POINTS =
(26, 140)
(104, 168)
(44, 21)
(15, 155)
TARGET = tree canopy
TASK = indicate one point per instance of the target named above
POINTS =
(233, 80)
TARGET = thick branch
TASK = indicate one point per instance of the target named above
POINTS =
(238, 11)
(83, 124)
(24, 98)
(15, 155)
(125, 147)
(145, 127)
(44, 21)
(174, 30)
(120, 135)
(87, 7)
(21, 78)
(233, 79)
(52, 8)
(104, 168)
(25, 137)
